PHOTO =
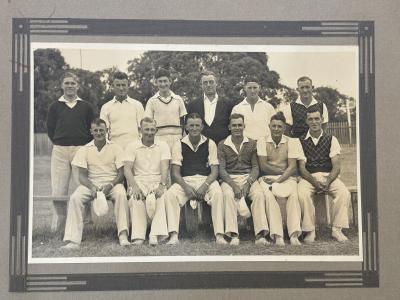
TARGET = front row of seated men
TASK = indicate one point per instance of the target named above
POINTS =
(259, 171)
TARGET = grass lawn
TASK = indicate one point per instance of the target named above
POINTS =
(99, 238)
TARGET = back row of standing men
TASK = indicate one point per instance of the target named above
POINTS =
(213, 119)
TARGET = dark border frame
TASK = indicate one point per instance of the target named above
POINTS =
(21, 281)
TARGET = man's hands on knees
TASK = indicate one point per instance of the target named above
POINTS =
(201, 191)
(245, 189)
(106, 188)
(93, 191)
(134, 192)
(236, 191)
(190, 192)
(159, 191)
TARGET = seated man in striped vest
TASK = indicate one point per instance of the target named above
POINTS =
(194, 171)
(319, 169)
(296, 112)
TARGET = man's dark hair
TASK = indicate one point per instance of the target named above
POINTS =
(279, 116)
(98, 122)
(193, 116)
(161, 72)
(251, 78)
(304, 78)
(120, 76)
(236, 116)
(70, 75)
(313, 109)
(207, 73)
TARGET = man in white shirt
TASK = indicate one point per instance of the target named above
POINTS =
(257, 112)
(295, 113)
(146, 166)
(100, 169)
(320, 169)
(167, 109)
(122, 114)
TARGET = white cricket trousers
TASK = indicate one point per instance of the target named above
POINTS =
(140, 219)
(176, 197)
(340, 198)
(255, 195)
(74, 224)
(293, 212)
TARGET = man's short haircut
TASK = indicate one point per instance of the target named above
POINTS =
(279, 116)
(313, 109)
(193, 116)
(98, 122)
(148, 120)
(207, 73)
(304, 78)
(70, 75)
(236, 116)
(120, 76)
(251, 78)
(161, 72)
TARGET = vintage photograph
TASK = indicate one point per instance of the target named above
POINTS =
(194, 152)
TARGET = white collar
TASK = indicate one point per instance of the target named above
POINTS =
(213, 101)
(91, 143)
(186, 141)
(283, 140)
(141, 145)
(62, 99)
(127, 99)
(308, 135)
(229, 143)
(171, 95)
(244, 102)
(313, 101)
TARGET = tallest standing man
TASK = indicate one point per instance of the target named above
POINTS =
(68, 127)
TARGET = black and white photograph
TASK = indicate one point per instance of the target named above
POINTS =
(177, 152)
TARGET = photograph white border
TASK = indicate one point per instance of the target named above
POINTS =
(206, 48)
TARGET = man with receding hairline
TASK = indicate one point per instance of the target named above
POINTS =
(213, 108)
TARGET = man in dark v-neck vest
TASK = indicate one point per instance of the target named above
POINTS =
(320, 168)
(194, 171)
(68, 127)
(214, 109)
(296, 112)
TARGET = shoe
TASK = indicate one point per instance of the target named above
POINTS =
(338, 235)
(262, 241)
(173, 240)
(310, 237)
(71, 246)
(219, 239)
(294, 241)
(123, 239)
(153, 240)
(137, 242)
(279, 241)
(235, 241)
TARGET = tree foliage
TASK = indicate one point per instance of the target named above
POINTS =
(185, 68)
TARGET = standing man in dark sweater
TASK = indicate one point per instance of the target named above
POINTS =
(195, 170)
(214, 110)
(319, 168)
(68, 127)
(296, 112)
